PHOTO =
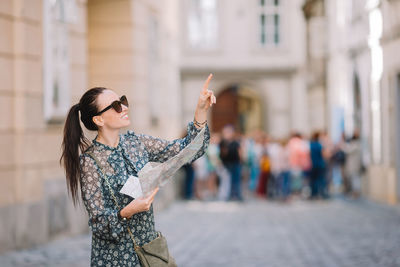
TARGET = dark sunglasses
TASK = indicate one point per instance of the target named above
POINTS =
(116, 105)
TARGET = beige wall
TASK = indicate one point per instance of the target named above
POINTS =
(30, 176)
(391, 99)
(119, 51)
(317, 46)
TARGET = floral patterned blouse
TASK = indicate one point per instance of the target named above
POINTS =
(111, 243)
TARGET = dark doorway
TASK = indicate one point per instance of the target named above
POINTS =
(226, 112)
(240, 106)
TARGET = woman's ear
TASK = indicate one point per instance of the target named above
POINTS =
(98, 120)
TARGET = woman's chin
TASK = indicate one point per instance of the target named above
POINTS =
(125, 123)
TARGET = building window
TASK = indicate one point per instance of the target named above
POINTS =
(269, 17)
(203, 24)
(57, 16)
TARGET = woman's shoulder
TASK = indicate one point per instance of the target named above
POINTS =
(87, 151)
(86, 157)
(86, 162)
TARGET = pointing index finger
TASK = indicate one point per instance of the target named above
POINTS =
(205, 86)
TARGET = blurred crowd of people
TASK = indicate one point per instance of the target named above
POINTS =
(236, 166)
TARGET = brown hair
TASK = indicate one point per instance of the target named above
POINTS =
(75, 139)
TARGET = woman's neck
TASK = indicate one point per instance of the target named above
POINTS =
(109, 138)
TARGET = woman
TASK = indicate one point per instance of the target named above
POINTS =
(120, 155)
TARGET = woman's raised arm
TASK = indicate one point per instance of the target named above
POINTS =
(161, 150)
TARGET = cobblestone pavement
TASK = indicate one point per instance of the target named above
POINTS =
(256, 233)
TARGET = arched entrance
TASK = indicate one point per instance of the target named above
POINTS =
(239, 106)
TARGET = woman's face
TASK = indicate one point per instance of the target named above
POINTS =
(111, 119)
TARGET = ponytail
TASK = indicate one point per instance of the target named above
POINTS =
(74, 138)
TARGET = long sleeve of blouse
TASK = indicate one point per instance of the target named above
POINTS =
(103, 220)
(161, 150)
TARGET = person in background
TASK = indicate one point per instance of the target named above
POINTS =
(354, 167)
(275, 169)
(254, 151)
(338, 159)
(327, 153)
(217, 168)
(189, 181)
(299, 160)
(201, 176)
(280, 168)
(284, 176)
(265, 170)
(230, 156)
(318, 168)
(212, 181)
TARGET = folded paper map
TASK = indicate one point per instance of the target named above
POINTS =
(155, 174)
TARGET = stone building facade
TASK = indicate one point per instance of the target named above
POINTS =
(384, 181)
(255, 49)
(316, 46)
(362, 83)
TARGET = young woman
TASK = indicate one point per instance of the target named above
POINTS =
(119, 155)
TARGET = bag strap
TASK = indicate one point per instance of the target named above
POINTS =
(112, 193)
